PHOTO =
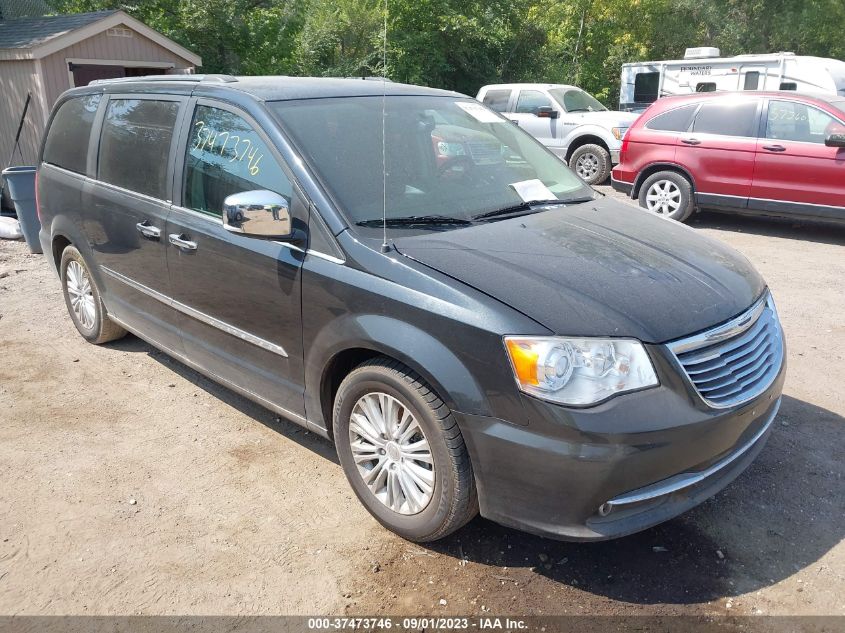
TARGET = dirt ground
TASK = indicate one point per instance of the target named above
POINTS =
(129, 484)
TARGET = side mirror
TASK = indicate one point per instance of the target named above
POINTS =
(547, 112)
(260, 213)
(835, 140)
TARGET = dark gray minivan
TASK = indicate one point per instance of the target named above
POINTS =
(405, 272)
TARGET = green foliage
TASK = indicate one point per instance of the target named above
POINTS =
(463, 44)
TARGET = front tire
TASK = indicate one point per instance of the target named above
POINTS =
(83, 301)
(669, 194)
(402, 452)
(592, 163)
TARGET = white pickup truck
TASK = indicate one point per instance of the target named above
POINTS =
(567, 120)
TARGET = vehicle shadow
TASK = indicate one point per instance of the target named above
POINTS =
(824, 233)
(289, 429)
(780, 516)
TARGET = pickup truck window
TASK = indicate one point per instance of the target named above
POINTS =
(530, 101)
(497, 100)
(576, 100)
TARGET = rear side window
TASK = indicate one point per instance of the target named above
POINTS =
(67, 140)
(530, 101)
(645, 87)
(225, 155)
(705, 86)
(788, 85)
(727, 119)
(677, 120)
(497, 99)
(135, 144)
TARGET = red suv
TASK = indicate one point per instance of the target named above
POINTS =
(769, 153)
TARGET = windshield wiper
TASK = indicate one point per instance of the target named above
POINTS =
(521, 208)
(413, 220)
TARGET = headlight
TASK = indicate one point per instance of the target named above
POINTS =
(618, 132)
(579, 371)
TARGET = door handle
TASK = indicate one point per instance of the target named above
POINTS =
(691, 141)
(774, 148)
(179, 239)
(148, 230)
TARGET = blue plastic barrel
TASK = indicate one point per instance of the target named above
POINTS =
(21, 183)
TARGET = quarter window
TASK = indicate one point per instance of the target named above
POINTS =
(676, 120)
(645, 87)
(225, 155)
(727, 119)
(497, 99)
(67, 140)
(793, 121)
(530, 101)
(135, 145)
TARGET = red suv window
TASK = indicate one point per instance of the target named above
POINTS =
(727, 119)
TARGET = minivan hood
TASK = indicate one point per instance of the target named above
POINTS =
(601, 268)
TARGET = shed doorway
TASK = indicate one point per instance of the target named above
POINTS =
(83, 74)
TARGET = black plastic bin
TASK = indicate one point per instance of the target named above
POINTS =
(21, 183)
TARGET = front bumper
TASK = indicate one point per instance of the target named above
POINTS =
(617, 468)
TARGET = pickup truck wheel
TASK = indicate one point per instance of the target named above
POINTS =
(402, 452)
(83, 300)
(669, 194)
(591, 163)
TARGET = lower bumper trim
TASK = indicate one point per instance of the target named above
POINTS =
(686, 480)
(622, 186)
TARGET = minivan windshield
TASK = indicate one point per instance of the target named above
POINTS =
(576, 100)
(448, 160)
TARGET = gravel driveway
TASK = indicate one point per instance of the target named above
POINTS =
(130, 484)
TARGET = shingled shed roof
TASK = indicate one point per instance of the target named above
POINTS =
(37, 37)
(30, 32)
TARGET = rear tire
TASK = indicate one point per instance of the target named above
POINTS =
(591, 163)
(402, 452)
(668, 194)
(83, 301)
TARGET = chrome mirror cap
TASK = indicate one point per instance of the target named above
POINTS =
(258, 213)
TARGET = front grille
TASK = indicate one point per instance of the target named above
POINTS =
(737, 361)
(485, 151)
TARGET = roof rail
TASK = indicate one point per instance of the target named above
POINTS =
(188, 78)
(365, 78)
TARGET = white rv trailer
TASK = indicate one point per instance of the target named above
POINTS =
(703, 70)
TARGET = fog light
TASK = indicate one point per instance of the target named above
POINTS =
(605, 509)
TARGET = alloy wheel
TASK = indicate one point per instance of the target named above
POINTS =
(663, 197)
(587, 166)
(81, 294)
(392, 453)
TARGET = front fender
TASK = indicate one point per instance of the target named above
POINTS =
(419, 350)
(591, 129)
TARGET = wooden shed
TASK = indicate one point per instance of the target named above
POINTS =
(47, 55)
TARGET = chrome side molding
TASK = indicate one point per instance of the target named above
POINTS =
(196, 314)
